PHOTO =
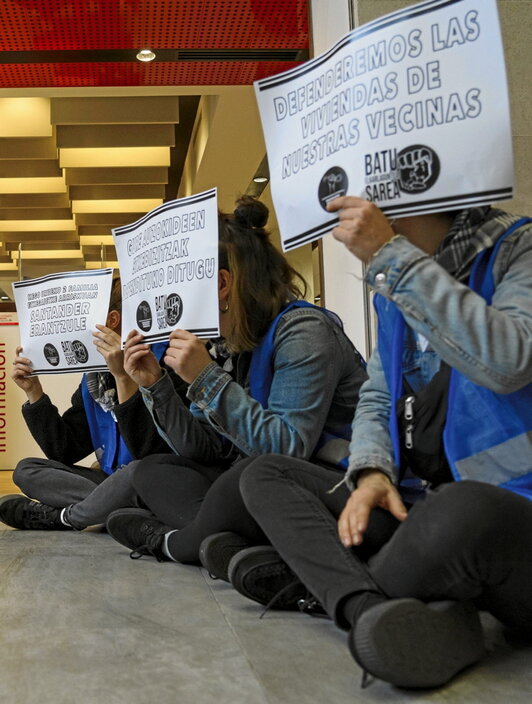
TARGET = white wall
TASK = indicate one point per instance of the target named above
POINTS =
(343, 290)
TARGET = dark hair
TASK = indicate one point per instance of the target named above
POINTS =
(115, 300)
(263, 280)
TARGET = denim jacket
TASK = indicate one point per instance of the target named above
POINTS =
(489, 344)
(316, 380)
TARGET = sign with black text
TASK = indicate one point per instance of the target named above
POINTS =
(409, 111)
(57, 315)
(169, 269)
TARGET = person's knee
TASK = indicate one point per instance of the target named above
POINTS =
(467, 500)
(25, 472)
(257, 475)
(463, 512)
(142, 473)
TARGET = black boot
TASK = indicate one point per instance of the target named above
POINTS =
(412, 644)
(139, 531)
(216, 552)
(259, 573)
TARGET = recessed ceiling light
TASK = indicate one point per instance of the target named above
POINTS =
(260, 179)
(145, 55)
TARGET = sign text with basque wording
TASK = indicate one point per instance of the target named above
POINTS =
(57, 315)
(169, 269)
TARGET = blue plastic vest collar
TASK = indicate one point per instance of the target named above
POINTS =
(261, 370)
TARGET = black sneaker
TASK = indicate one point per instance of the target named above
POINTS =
(260, 574)
(412, 644)
(216, 552)
(22, 513)
(139, 531)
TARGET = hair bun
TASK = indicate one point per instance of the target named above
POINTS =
(251, 212)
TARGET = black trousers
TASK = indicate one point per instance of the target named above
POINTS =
(196, 499)
(465, 541)
(55, 483)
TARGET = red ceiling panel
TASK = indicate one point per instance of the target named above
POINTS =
(135, 74)
(47, 25)
(99, 25)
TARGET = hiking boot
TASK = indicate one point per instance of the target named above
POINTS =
(216, 552)
(22, 513)
(139, 531)
(412, 644)
(260, 574)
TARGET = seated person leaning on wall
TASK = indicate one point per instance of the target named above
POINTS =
(107, 417)
(407, 584)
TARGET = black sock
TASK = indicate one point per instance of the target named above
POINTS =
(354, 606)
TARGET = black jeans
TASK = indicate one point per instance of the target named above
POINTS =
(55, 483)
(88, 495)
(466, 540)
(196, 499)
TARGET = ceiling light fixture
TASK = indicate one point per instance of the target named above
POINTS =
(145, 55)
(260, 179)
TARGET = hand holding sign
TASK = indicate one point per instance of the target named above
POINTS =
(411, 109)
(109, 345)
(363, 227)
(22, 368)
(139, 361)
(186, 355)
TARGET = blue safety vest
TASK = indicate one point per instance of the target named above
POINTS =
(261, 372)
(109, 446)
(487, 436)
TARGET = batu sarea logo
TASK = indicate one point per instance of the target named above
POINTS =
(74, 351)
(169, 309)
(390, 173)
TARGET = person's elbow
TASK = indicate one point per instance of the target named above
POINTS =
(506, 378)
(295, 445)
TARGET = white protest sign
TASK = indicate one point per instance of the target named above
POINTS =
(409, 111)
(169, 269)
(57, 315)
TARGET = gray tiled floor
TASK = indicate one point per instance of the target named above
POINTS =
(81, 622)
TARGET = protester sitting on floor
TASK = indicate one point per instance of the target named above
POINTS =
(292, 387)
(107, 417)
(406, 577)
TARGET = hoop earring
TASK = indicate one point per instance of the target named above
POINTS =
(225, 309)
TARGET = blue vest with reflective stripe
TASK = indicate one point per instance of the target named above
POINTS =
(109, 446)
(487, 436)
(261, 372)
